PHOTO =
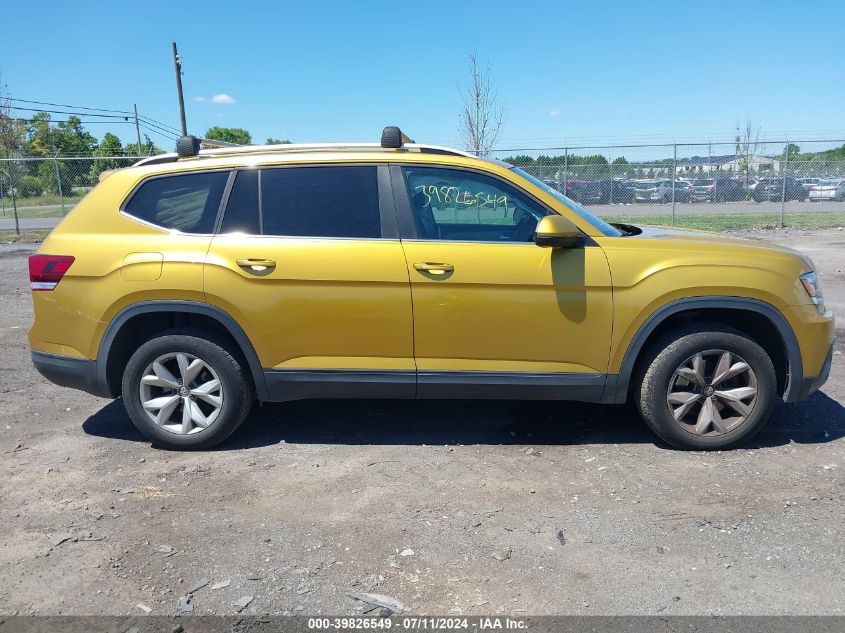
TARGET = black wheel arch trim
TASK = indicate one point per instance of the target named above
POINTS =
(184, 307)
(616, 391)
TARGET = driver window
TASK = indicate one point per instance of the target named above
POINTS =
(455, 204)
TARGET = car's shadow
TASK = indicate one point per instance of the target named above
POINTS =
(818, 420)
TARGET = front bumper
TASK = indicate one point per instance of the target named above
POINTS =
(75, 373)
(811, 384)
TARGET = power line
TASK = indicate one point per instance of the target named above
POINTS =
(175, 129)
(157, 127)
(62, 105)
(75, 107)
(158, 133)
(67, 121)
(105, 116)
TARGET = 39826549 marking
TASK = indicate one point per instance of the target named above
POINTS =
(380, 623)
(350, 623)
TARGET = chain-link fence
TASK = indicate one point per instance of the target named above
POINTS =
(746, 184)
(49, 187)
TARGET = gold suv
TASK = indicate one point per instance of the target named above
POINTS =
(194, 283)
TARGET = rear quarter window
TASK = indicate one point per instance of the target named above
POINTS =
(184, 202)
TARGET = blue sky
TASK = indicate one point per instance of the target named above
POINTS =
(604, 72)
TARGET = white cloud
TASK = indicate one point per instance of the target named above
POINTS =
(221, 98)
(554, 112)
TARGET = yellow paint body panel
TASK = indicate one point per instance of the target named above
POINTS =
(511, 307)
(339, 304)
(361, 304)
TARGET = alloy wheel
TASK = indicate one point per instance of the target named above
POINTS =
(712, 392)
(181, 393)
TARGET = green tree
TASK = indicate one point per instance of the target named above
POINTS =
(45, 170)
(791, 151)
(29, 187)
(39, 136)
(229, 135)
(12, 136)
(148, 148)
(71, 139)
(111, 151)
(275, 141)
(520, 160)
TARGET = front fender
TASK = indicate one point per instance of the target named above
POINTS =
(616, 390)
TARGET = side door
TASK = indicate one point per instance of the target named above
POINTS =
(495, 315)
(308, 260)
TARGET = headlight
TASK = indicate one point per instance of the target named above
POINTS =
(811, 284)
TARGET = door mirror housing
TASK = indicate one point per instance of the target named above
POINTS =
(555, 231)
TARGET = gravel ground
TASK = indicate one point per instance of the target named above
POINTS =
(448, 507)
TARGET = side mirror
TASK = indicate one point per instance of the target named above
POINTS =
(555, 231)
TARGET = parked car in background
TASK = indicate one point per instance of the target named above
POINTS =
(717, 190)
(776, 188)
(662, 191)
(616, 191)
(808, 183)
(604, 191)
(645, 190)
(828, 190)
(589, 191)
(623, 191)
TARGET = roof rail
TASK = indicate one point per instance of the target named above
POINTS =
(392, 140)
(312, 147)
(305, 148)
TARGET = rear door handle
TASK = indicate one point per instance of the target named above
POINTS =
(256, 265)
(434, 269)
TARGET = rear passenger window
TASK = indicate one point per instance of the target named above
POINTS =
(187, 202)
(242, 208)
(320, 202)
(305, 202)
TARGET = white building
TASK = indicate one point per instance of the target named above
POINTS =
(728, 163)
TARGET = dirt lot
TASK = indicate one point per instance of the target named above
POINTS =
(448, 507)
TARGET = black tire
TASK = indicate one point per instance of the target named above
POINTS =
(234, 379)
(670, 352)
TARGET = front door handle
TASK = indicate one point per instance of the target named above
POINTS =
(256, 265)
(434, 269)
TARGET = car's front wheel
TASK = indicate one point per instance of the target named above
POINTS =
(709, 387)
(184, 391)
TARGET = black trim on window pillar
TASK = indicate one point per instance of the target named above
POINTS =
(404, 213)
(386, 204)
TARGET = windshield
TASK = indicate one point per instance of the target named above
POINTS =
(597, 222)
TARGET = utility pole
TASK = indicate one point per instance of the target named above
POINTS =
(177, 64)
(137, 128)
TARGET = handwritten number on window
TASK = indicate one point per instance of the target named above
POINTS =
(454, 195)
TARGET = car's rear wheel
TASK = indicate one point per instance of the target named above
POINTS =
(709, 387)
(184, 391)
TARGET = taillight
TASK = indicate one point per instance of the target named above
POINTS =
(46, 271)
